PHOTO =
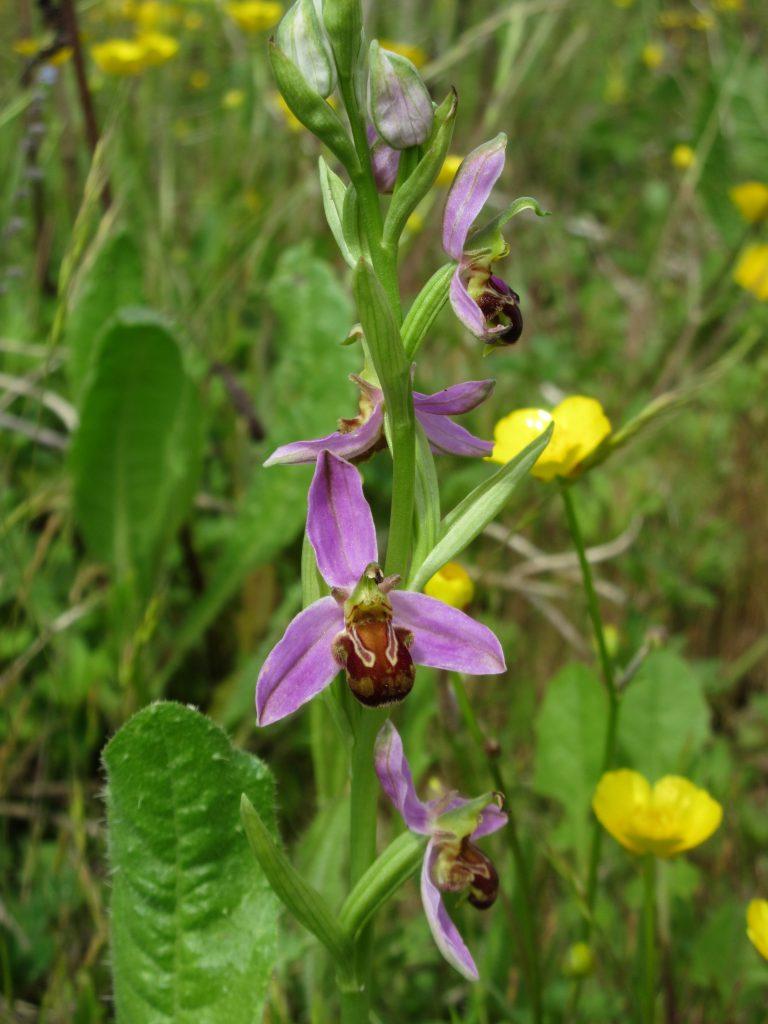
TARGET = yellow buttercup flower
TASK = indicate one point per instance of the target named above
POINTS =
(292, 122)
(415, 223)
(199, 79)
(120, 56)
(447, 172)
(682, 157)
(26, 47)
(158, 47)
(664, 819)
(232, 99)
(415, 54)
(254, 15)
(29, 47)
(653, 55)
(751, 271)
(580, 427)
(757, 926)
(452, 585)
(751, 200)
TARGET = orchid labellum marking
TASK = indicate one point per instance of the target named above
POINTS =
(452, 861)
(376, 633)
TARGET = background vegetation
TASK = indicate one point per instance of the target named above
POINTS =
(145, 553)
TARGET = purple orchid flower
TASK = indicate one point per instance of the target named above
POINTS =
(364, 434)
(452, 863)
(484, 303)
(375, 633)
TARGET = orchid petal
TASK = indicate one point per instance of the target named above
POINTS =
(454, 400)
(491, 820)
(444, 931)
(301, 664)
(339, 522)
(346, 445)
(449, 438)
(444, 637)
(396, 780)
(469, 192)
(468, 311)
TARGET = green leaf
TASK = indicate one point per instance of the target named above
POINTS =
(193, 917)
(304, 902)
(308, 390)
(115, 279)
(664, 720)
(472, 515)
(570, 742)
(427, 496)
(408, 196)
(136, 455)
(311, 109)
(426, 306)
(334, 191)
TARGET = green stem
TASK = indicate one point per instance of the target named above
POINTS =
(529, 944)
(649, 940)
(383, 259)
(593, 606)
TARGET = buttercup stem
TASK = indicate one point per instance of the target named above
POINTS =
(593, 606)
(649, 939)
(530, 946)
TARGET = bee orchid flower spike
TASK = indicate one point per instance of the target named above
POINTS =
(452, 861)
(376, 633)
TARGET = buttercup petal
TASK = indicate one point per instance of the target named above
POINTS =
(444, 637)
(449, 438)
(346, 446)
(301, 664)
(444, 931)
(454, 400)
(339, 522)
(396, 780)
(469, 192)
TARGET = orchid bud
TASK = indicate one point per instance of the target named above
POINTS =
(301, 36)
(374, 652)
(398, 102)
(385, 161)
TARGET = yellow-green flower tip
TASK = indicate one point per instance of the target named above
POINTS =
(452, 585)
(751, 200)
(751, 271)
(580, 427)
(664, 819)
(757, 926)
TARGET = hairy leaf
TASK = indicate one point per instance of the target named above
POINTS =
(193, 917)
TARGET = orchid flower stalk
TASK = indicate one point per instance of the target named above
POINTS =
(368, 627)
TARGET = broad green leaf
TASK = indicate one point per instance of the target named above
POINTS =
(136, 454)
(114, 280)
(664, 719)
(427, 498)
(193, 917)
(333, 191)
(570, 742)
(470, 516)
(308, 391)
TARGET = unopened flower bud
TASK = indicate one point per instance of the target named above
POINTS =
(398, 101)
(301, 36)
(385, 162)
